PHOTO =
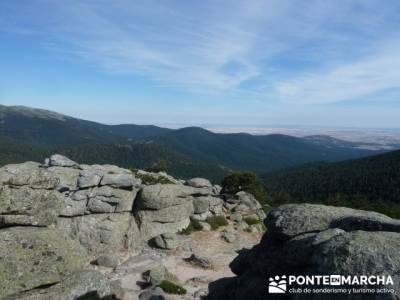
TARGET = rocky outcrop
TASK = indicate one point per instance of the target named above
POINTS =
(58, 217)
(305, 239)
(52, 216)
(91, 204)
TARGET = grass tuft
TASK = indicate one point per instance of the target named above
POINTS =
(193, 226)
(216, 222)
(252, 221)
(171, 288)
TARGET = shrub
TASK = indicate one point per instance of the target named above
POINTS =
(216, 222)
(171, 288)
(194, 225)
(245, 181)
(251, 221)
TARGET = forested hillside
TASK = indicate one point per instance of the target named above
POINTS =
(369, 183)
(261, 154)
(49, 129)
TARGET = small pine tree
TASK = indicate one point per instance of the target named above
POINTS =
(160, 165)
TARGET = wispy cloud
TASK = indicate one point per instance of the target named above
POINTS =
(170, 49)
(313, 51)
(378, 72)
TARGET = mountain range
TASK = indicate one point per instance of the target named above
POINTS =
(29, 133)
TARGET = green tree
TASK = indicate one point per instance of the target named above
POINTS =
(245, 181)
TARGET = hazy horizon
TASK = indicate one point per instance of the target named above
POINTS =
(225, 127)
(373, 136)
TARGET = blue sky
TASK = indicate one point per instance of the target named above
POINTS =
(254, 62)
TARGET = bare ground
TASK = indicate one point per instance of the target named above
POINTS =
(195, 279)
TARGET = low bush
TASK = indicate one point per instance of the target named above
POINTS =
(216, 222)
(151, 179)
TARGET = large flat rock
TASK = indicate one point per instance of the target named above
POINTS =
(32, 257)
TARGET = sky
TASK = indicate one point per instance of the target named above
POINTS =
(243, 63)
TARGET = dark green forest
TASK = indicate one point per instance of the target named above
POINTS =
(371, 183)
(144, 156)
(246, 152)
(11, 152)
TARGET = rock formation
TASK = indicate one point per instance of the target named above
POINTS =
(55, 217)
(305, 239)
(72, 231)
